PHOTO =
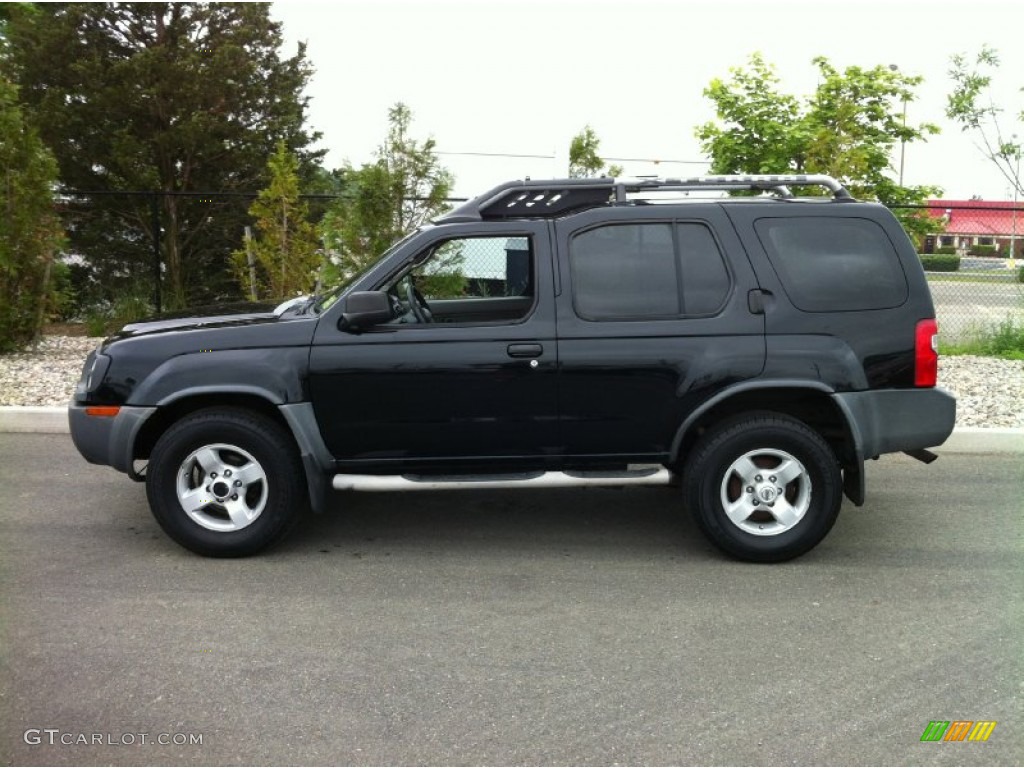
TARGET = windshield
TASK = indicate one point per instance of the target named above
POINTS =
(333, 293)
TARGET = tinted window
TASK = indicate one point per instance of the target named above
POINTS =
(641, 270)
(705, 281)
(829, 264)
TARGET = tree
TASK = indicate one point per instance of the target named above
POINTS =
(584, 161)
(284, 249)
(175, 97)
(29, 230)
(847, 129)
(971, 105)
(399, 192)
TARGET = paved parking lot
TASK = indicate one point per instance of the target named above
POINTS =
(509, 628)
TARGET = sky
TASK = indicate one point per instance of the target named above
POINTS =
(522, 78)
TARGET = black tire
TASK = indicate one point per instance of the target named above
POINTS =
(732, 464)
(241, 443)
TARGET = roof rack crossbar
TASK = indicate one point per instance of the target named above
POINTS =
(768, 183)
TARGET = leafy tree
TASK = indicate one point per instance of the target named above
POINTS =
(284, 249)
(175, 97)
(971, 105)
(584, 161)
(401, 190)
(847, 129)
(29, 230)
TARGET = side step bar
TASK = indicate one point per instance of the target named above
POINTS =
(651, 476)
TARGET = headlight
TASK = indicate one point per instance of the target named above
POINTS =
(100, 364)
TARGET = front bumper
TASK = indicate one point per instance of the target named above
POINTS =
(893, 420)
(107, 439)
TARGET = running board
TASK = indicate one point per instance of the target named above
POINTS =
(650, 476)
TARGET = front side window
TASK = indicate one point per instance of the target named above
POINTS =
(647, 271)
(468, 280)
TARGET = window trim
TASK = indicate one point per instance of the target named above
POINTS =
(673, 223)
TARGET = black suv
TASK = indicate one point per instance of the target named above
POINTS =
(756, 349)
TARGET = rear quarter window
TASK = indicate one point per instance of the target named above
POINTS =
(832, 264)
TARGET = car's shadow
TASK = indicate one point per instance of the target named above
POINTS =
(542, 521)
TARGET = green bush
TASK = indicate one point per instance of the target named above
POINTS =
(1020, 275)
(128, 308)
(96, 323)
(946, 249)
(1005, 340)
(984, 250)
(940, 262)
(63, 292)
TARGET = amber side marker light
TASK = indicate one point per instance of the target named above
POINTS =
(102, 410)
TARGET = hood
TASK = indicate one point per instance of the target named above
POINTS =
(212, 316)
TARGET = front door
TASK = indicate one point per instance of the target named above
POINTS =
(467, 373)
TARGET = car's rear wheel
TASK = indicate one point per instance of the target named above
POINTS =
(225, 482)
(764, 487)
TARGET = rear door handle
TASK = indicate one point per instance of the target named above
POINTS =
(525, 350)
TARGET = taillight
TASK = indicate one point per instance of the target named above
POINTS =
(926, 353)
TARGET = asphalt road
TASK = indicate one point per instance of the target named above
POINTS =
(963, 307)
(510, 628)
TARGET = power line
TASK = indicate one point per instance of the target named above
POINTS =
(656, 161)
(498, 154)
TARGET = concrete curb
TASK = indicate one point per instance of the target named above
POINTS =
(29, 418)
(22, 418)
(984, 440)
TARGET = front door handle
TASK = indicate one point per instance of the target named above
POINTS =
(525, 350)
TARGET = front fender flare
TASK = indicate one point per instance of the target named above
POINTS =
(276, 374)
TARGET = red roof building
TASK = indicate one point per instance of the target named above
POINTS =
(971, 223)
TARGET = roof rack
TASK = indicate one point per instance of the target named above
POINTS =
(556, 197)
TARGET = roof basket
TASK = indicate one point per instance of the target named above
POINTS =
(551, 198)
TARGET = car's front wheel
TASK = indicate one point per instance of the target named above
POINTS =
(225, 482)
(764, 487)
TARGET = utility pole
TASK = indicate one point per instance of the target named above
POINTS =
(1016, 192)
(903, 142)
(252, 263)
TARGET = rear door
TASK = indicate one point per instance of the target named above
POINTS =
(653, 319)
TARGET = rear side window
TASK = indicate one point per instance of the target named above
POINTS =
(642, 271)
(831, 264)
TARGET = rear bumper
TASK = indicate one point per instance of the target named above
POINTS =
(107, 439)
(892, 420)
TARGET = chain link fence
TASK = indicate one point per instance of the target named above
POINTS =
(973, 261)
(153, 250)
(133, 252)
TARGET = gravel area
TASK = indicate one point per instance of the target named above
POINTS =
(47, 374)
(990, 391)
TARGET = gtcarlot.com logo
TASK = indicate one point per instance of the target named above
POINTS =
(55, 737)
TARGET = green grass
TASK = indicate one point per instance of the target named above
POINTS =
(981, 276)
(1005, 340)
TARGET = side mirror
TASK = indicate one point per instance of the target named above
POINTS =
(364, 309)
